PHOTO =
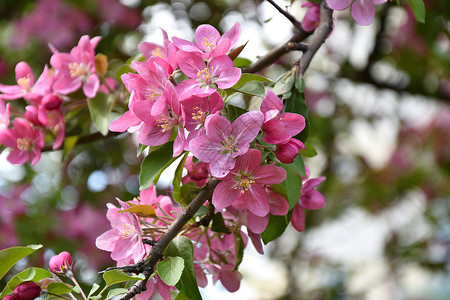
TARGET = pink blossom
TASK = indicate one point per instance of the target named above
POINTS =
(279, 127)
(206, 78)
(60, 263)
(208, 42)
(312, 16)
(197, 172)
(77, 68)
(152, 283)
(167, 52)
(124, 240)
(363, 11)
(287, 152)
(246, 182)
(4, 114)
(225, 141)
(118, 14)
(25, 141)
(309, 199)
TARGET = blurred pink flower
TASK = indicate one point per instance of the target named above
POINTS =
(363, 11)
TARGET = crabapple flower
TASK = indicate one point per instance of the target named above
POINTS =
(167, 52)
(60, 263)
(124, 240)
(206, 78)
(363, 11)
(208, 42)
(77, 68)
(245, 183)
(4, 114)
(25, 141)
(287, 152)
(312, 16)
(197, 172)
(309, 199)
(27, 290)
(224, 141)
(279, 127)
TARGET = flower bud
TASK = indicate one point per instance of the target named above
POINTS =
(11, 297)
(27, 290)
(51, 101)
(32, 115)
(286, 153)
(60, 263)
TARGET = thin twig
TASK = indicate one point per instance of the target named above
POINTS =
(288, 16)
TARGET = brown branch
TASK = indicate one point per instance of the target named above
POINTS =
(147, 265)
(319, 36)
(288, 16)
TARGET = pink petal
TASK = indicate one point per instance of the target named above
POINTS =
(127, 120)
(163, 289)
(190, 63)
(256, 241)
(225, 194)
(91, 86)
(338, 4)
(185, 45)
(218, 128)
(232, 34)
(205, 149)
(363, 12)
(107, 241)
(249, 162)
(204, 35)
(221, 49)
(66, 85)
(298, 218)
(221, 165)
(219, 63)
(278, 205)
(312, 200)
(256, 200)
(247, 126)
(7, 138)
(24, 70)
(271, 102)
(293, 123)
(152, 135)
(257, 224)
(228, 77)
(17, 156)
(269, 174)
(275, 132)
(230, 280)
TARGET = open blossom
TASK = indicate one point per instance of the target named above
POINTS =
(167, 52)
(205, 78)
(309, 199)
(279, 127)
(224, 141)
(363, 11)
(25, 142)
(246, 183)
(197, 172)
(77, 68)
(124, 240)
(208, 42)
(312, 16)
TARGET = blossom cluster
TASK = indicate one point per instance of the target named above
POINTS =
(179, 94)
(44, 114)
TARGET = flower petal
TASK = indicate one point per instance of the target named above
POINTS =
(363, 12)
(225, 194)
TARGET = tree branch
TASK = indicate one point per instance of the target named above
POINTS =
(147, 264)
(319, 36)
(290, 17)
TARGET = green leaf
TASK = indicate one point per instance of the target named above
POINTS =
(285, 83)
(418, 8)
(298, 166)
(181, 246)
(176, 193)
(182, 296)
(277, 225)
(154, 164)
(234, 112)
(201, 212)
(100, 109)
(30, 274)
(240, 62)
(254, 88)
(218, 224)
(58, 288)
(247, 77)
(238, 249)
(188, 192)
(116, 276)
(170, 269)
(295, 100)
(292, 185)
(115, 292)
(140, 149)
(309, 150)
(10, 256)
(93, 289)
(69, 143)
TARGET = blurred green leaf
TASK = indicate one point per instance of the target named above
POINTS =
(154, 164)
(10, 256)
(99, 109)
(176, 192)
(418, 8)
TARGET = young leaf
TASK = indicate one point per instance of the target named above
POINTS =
(236, 51)
(116, 276)
(247, 77)
(93, 289)
(10, 256)
(298, 166)
(115, 292)
(181, 246)
(234, 112)
(176, 193)
(238, 249)
(240, 62)
(292, 185)
(58, 288)
(218, 224)
(254, 88)
(99, 109)
(170, 269)
(418, 8)
(154, 164)
(309, 150)
(277, 225)
(141, 210)
(285, 83)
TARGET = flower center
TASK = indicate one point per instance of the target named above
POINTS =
(126, 231)
(158, 52)
(77, 70)
(165, 122)
(245, 183)
(209, 42)
(24, 143)
(24, 82)
(199, 115)
(205, 75)
(229, 145)
(151, 93)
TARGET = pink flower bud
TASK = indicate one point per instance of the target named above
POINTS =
(60, 263)
(286, 153)
(27, 290)
(11, 297)
(51, 101)
(32, 115)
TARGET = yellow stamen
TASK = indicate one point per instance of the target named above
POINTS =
(76, 69)
(158, 52)
(126, 231)
(209, 42)
(205, 75)
(245, 184)
(24, 143)
(229, 145)
(24, 82)
(199, 116)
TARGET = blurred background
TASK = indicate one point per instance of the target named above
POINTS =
(379, 101)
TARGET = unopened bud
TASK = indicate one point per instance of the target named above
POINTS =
(32, 115)
(11, 297)
(27, 290)
(51, 101)
(60, 263)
